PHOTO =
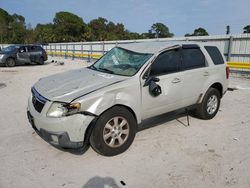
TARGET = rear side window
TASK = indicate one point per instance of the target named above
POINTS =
(34, 48)
(215, 55)
(192, 59)
(165, 63)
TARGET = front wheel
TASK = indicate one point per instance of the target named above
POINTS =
(114, 131)
(10, 62)
(209, 105)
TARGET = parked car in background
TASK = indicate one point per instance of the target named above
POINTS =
(22, 54)
(103, 103)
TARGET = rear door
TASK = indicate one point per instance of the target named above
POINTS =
(195, 73)
(23, 55)
(166, 67)
(35, 53)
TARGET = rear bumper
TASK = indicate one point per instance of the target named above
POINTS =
(58, 139)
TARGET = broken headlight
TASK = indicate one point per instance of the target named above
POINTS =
(63, 109)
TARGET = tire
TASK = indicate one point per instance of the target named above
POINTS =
(41, 61)
(10, 62)
(114, 131)
(209, 105)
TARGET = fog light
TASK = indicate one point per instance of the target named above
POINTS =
(54, 138)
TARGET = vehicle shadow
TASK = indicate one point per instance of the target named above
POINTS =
(27, 65)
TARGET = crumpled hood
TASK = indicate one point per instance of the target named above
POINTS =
(70, 85)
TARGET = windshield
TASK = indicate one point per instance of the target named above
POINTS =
(9, 49)
(120, 61)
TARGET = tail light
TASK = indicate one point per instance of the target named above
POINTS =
(227, 72)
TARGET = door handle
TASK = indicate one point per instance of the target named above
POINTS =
(206, 73)
(176, 80)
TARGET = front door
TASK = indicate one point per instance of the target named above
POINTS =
(23, 55)
(166, 67)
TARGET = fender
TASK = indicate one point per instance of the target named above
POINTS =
(126, 94)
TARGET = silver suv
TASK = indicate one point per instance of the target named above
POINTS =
(103, 103)
(22, 54)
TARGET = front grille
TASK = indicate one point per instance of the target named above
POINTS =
(37, 104)
(38, 100)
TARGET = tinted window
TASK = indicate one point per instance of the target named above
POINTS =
(167, 62)
(192, 58)
(34, 48)
(215, 55)
(22, 49)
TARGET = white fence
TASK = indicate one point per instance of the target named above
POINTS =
(236, 48)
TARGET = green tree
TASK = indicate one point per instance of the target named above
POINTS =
(45, 33)
(246, 29)
(133, 35)
(5, 20)
(17, 29)
(159, 30)
(98, 28)
(30, 34)
(68, 27)
(12, 28)
(101, 29)
(198, 32)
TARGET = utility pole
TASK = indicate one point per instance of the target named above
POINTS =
(228, 30)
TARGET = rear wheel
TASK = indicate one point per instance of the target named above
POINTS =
(209, 105)
(41, 61)
(10, 62)
(114, 132)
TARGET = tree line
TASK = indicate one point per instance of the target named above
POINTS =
(68, 27)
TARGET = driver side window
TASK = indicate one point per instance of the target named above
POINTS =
(167, 62)
(22, 49)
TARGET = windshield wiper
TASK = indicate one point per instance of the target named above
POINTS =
(92, 67)
(106, 70)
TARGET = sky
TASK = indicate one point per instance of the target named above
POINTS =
(138, 15)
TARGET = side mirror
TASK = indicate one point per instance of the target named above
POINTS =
(154, 89)
(151, 79)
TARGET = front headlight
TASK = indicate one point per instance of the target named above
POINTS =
(1, 56)
(63, 109)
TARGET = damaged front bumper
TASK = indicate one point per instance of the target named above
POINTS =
(58, 139)
(64, 132)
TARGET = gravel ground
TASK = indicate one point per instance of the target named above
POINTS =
(214, 153)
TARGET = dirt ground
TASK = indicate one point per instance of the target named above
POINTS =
(214, 153)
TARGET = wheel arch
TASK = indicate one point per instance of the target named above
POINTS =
(123, 106)
(91, 126)
(218, 86)
(11, 57)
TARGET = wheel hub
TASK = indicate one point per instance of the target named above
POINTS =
(212, 104)
(116, 131)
